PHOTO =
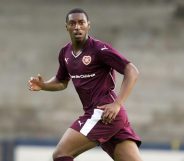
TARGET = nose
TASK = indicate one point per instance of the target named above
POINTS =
(77, 26)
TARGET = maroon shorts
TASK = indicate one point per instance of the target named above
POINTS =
(108, 135)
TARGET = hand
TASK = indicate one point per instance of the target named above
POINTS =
(110, 112)
(36, 83)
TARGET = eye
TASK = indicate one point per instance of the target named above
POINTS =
(72, 23)
(81, 22)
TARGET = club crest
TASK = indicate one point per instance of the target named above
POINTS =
(86, 60)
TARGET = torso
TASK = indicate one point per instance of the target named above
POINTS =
(93, 80)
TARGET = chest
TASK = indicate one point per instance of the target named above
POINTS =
(86, 62)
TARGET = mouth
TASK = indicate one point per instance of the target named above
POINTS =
(78, 35)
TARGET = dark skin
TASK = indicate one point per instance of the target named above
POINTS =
(73, 142)
(78, 27)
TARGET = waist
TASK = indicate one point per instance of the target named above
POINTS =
(98, 100)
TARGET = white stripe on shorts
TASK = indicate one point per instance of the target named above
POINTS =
(90, 123)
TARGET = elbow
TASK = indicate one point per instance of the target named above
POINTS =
(63, 85)
(136, 73)
(60, 85)
(132, 71)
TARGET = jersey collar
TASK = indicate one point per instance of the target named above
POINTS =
(81, 51)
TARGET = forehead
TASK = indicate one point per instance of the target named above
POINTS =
(77, 16)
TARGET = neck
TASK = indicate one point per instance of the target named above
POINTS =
(78, 45)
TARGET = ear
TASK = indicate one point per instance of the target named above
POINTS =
(66, 26)
(89, 24)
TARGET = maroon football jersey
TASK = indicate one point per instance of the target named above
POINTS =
(92, 71)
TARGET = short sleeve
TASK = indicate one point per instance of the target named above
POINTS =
(113, 58)
(62, 73)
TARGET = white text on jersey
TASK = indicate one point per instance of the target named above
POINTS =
(83, 76)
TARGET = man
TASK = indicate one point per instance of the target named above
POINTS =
(90, 64)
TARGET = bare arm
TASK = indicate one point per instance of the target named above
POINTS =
(130, 77)
(131, 74)
(37, 84)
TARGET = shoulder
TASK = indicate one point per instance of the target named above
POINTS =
(64, 49)
(99, 45)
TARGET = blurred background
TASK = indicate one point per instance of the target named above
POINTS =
(150, 33)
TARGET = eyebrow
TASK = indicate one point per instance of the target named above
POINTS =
(80, 20)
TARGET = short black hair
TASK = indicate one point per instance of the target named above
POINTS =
(77, 10)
